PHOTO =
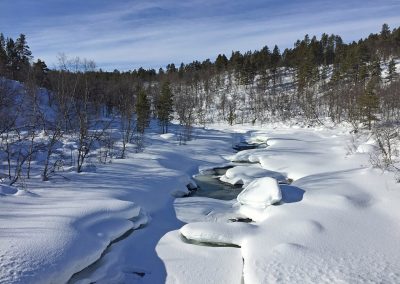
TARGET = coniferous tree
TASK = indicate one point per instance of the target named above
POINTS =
(41, 73)
(165, 106)
(221, 62)
(24, 56)
(12, 58)
(3, 55)
(275, 59)
(369, 104)
(142, 111)
(376, 72)
(391, 71)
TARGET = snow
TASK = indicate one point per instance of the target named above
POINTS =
(261, 193)
(338, 221)
(246, 174)
(366, 148)
(217, 233)
(48, 238)
(189, 263)
(167, 136)
(7, 190)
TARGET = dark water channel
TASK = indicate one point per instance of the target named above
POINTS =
(208, 181)
(210, 186)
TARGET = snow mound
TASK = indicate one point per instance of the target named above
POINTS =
(7, 190)
(246, 174)
(167, 136)
(185, 186)
(260, 138)
(61, 236)
(261, 193)
(366, 148)
(245, 155)
(217, 233)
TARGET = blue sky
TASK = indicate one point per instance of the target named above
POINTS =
(127, 34)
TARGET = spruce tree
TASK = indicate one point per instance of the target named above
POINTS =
(376, 71)
(391, 70)
(275, 60)
(40, 72)
(142, 111)
(3, 55)
(24, 56)
(385, 31)
(165, 106)
(369, 104)
(221, 62)
(12, 58)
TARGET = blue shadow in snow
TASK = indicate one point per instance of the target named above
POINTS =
(291, 194)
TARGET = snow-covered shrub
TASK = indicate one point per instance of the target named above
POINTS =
(387, 154)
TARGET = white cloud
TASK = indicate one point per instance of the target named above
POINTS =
(152, 34)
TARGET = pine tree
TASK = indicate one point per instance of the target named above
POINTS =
(165, 106)
(142, 111)
(221, 62)
(275, 60)
(40, 72)
(376, 71)
(391, 71)
(369, 104)
(275, 57)
(385, 31)
(18, 58)
(363, 74)
(24, 56)
(3, 55)
(12, 57)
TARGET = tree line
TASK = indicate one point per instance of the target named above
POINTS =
(316, 78)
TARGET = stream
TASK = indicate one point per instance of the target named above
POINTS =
(210, 186)
(208, 181)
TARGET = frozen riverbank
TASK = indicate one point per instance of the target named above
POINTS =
(337, 221)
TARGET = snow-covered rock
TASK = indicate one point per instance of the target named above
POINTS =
(261, 193)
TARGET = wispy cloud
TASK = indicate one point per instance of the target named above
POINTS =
(127, 34)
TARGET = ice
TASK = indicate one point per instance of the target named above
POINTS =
(261, 193)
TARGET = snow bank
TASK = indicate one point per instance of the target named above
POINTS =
(217, 233)
(167, 136)
(366, 148)
(246, 174)
(183, 187)
(48, 239)
(7, 190)
(261, 193)
(197, 264)
(259, 137)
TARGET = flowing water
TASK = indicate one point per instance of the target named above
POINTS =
(210, 186)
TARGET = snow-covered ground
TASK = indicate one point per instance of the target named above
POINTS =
(338, 221)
